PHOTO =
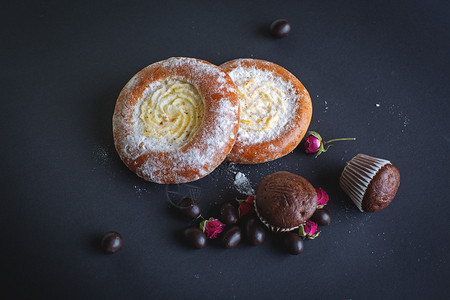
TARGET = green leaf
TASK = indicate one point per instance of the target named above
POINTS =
(311, 237)
(320, 206)
(315, 134)
(301, 231)
(203, 225)
(320, 150)
(240, 201)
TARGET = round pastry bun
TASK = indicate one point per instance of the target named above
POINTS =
(253, 147)
(208, 146)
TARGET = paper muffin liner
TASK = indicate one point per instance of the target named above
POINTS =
(358, 173)
(271, 227)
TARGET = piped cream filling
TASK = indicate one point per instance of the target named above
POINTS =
(172, 114)
(262, 105)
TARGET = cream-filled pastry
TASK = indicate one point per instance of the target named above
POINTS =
(275, 113)
(176, 120)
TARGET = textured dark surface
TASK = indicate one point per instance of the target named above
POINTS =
(378, 71)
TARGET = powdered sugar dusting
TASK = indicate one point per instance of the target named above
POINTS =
(243, 185)
(154, 143)
(101, 155)
(240, 76)
(402, 117)
(195, 157)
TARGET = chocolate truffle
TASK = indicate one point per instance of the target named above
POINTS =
(284, 201)
(370, 182)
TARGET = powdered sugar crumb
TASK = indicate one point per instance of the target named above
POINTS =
(101, 155)
(243, 185)
(402, 117)
(138, 190)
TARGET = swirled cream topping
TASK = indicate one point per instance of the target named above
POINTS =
(268, 103)
(172, 113)
(261, 103)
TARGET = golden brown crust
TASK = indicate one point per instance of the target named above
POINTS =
(246, 153)
(285, 200)
(209, 145)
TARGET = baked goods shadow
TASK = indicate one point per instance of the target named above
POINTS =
(264, 31)
(331, 177)
(95, 244)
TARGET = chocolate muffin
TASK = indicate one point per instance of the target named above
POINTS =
(370, 182)
(284, 201)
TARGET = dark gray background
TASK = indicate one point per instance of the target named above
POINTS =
(63, 186)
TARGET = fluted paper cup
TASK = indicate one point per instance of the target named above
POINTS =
(358, 174)
(272, 227)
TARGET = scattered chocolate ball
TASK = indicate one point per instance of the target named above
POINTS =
(189, 208)
(111, 242)
(195, 237)
(254, 232)
(228, 214)
(322, 217)
(293, 243)
(280, 28)
(231, 237)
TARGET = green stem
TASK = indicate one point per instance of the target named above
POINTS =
(341, 139)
